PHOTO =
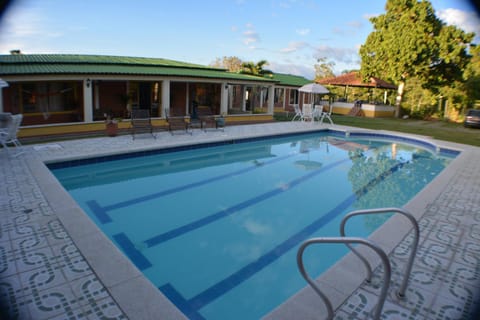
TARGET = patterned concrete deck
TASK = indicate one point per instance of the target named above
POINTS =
(56, 264)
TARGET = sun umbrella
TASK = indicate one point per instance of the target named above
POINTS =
(313, 88)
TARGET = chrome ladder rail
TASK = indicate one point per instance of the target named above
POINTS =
(403, 287)
(346, 240)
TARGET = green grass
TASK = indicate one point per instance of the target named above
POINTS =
(441, 130)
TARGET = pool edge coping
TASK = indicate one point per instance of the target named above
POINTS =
(118, 282)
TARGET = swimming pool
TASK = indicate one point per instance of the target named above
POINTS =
(216, 229)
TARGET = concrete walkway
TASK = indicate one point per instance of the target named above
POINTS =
(56, 264)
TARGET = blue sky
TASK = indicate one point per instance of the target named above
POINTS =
(289, 34)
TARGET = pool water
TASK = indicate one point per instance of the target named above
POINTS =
(217, 229)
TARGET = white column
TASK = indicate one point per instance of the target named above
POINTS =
(271, 99)
(244, 98)
(165, 96)
(87, 100)
(3, 84)
(187, 99)
(261, 98)
(224, 98)
(96, 97)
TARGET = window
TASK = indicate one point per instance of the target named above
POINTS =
(293, 96)
(49, 97)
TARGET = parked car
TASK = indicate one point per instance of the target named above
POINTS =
(472, 118)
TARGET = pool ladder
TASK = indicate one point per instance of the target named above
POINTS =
(355, 240)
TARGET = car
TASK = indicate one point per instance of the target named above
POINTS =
(472, 118)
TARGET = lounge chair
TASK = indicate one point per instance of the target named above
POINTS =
(8, 134)
(327, 114)
(176, 123)
(307, 113)
(209, 120)
(298, 113)
(141, 122)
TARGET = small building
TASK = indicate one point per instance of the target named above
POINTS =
(352, 105)
(62, 94)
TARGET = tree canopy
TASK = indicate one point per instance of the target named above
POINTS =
(410, 42)
(255, 69)
(232, 64)
(324, 68)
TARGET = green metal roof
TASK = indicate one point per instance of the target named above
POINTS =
(50, 64)
(290, 80)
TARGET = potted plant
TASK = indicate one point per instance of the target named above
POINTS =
(111, 125)
(220, 121)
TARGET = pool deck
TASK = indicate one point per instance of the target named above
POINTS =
(56, 264)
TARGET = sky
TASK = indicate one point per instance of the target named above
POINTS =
(290, 34)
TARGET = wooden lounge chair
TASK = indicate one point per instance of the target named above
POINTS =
(141, 122)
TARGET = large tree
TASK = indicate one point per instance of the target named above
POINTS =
(473, 74)
(324, 68)
(232, 64)
(409, 41)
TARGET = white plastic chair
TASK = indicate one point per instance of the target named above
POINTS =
(307, 113)
(8, 135)
(327, 114)
(317, 112)
(298, 113)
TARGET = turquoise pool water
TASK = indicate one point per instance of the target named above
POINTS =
(216, 229)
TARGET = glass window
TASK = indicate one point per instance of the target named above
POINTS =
(50, 97)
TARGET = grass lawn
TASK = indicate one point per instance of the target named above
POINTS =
(441, 130)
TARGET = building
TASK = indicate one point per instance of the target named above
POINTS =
(72, 94)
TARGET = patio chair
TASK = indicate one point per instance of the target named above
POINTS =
(209, 120)
(327, 115)
(176, 123)
(317, 112)
(141, 122)
(8, 134)
(307, 113)
(298, 112)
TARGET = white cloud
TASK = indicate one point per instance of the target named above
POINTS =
(25, 30)
(467, 21)
(367, 16)
(22, 24)
(257, 228)
(303, 32)
(355, 24)
(293, 68)
(250, 36)
(294, 46)
(344, 55)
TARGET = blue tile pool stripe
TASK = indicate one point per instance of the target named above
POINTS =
(178, 300)
(103, 217)
(99, 211)
(133, 254)
(156, 240)
(223, 286)
(114, 157)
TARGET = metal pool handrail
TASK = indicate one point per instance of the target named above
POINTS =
(346, 240)
(416, 230)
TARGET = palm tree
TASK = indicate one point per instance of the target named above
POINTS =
(257, 96)
(256, 69)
